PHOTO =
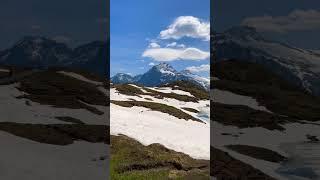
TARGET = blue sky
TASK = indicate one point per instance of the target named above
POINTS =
(73, 22)
(134, 25)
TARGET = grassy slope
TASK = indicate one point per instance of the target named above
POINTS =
(49, 87)
(134, 91)
(58, 134)
(223, 167)
(131, 160)
(158, 107)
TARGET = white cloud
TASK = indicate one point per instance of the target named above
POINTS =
(170, 54)
(152, 64)
(297, 20)
(201, 68)
(181, 46)
(175, 44)
(187, 26)
(154, 45)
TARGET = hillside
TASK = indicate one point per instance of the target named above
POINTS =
(257, 115)
(56, 119)
(161, 120)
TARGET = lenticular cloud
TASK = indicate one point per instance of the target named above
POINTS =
(187, 26)
(170, 54)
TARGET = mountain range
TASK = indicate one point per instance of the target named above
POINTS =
(42, 52)
(161, 74)
(298, 66)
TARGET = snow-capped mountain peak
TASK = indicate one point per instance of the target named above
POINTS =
(298, 66)
(165, 68)
(42, 52)
(161, 74)
(186, 72)
(122, 78)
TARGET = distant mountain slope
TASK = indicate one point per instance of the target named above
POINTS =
(36, 52)
(161, 74)
(122, 78)
(92, 56)
(42, 52)
(297, 66)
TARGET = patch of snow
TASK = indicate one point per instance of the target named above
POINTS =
(4, 70)
(146, 126)
(16, 110)
(115, 95)
(25, 159)
(227, 97)
(144, 91)
(80, 77)
(170, 90)
(261, 137)
(166, 72)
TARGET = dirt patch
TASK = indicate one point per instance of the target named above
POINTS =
(258, 153)
(244, 117)
(70, 119)
(51, 88)
(58, 134)
(223, 167)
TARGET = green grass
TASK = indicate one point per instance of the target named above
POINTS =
(257, 152)
(134, 91)
(51, 88)
(223, 166)
(171, 95)
(188, 86)
(69, 119)
(244, 117)
(128, 89)
(58, 134)
(157, 107)
(131, 160)
(190, 109)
